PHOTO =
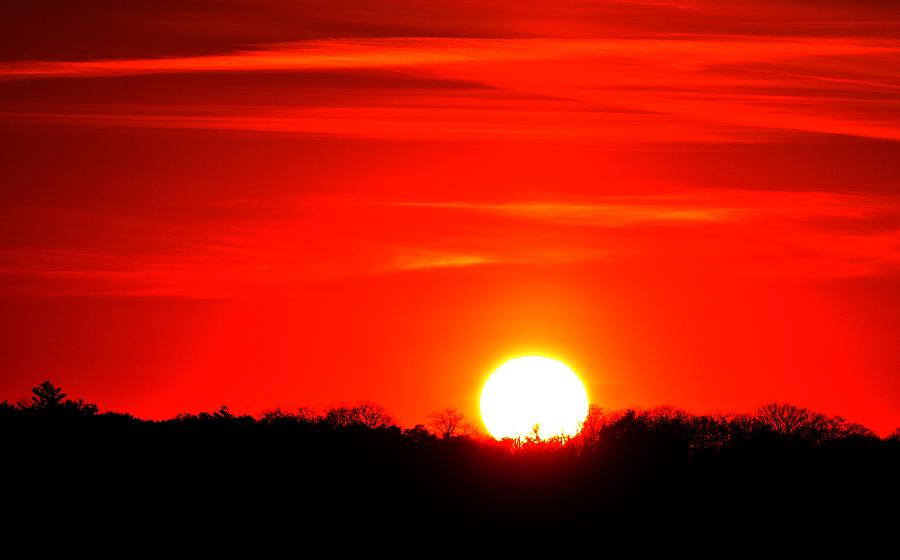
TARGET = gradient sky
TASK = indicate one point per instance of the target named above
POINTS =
(268, 203)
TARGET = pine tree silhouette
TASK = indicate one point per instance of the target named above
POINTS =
(47, 396)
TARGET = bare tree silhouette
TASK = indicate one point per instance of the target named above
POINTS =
(449, 423)
(303, 414)
(801, 423)
(366, 414)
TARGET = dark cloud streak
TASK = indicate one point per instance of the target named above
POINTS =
(97, 29)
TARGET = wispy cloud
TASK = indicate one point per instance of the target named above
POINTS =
(415, 259)
(798, 236)
(707, 89)
(398, 52)
(609, 213)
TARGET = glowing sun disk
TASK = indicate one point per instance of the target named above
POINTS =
(533, 393)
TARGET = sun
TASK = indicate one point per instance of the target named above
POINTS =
(533, 393)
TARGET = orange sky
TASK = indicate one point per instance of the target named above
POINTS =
(270, 203)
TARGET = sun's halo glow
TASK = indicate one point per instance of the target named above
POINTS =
(533, 396)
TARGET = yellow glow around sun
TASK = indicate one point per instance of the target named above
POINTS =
(533, 391)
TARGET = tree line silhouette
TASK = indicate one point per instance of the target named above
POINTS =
(648, 469)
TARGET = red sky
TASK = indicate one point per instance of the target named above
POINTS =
(269, 203)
